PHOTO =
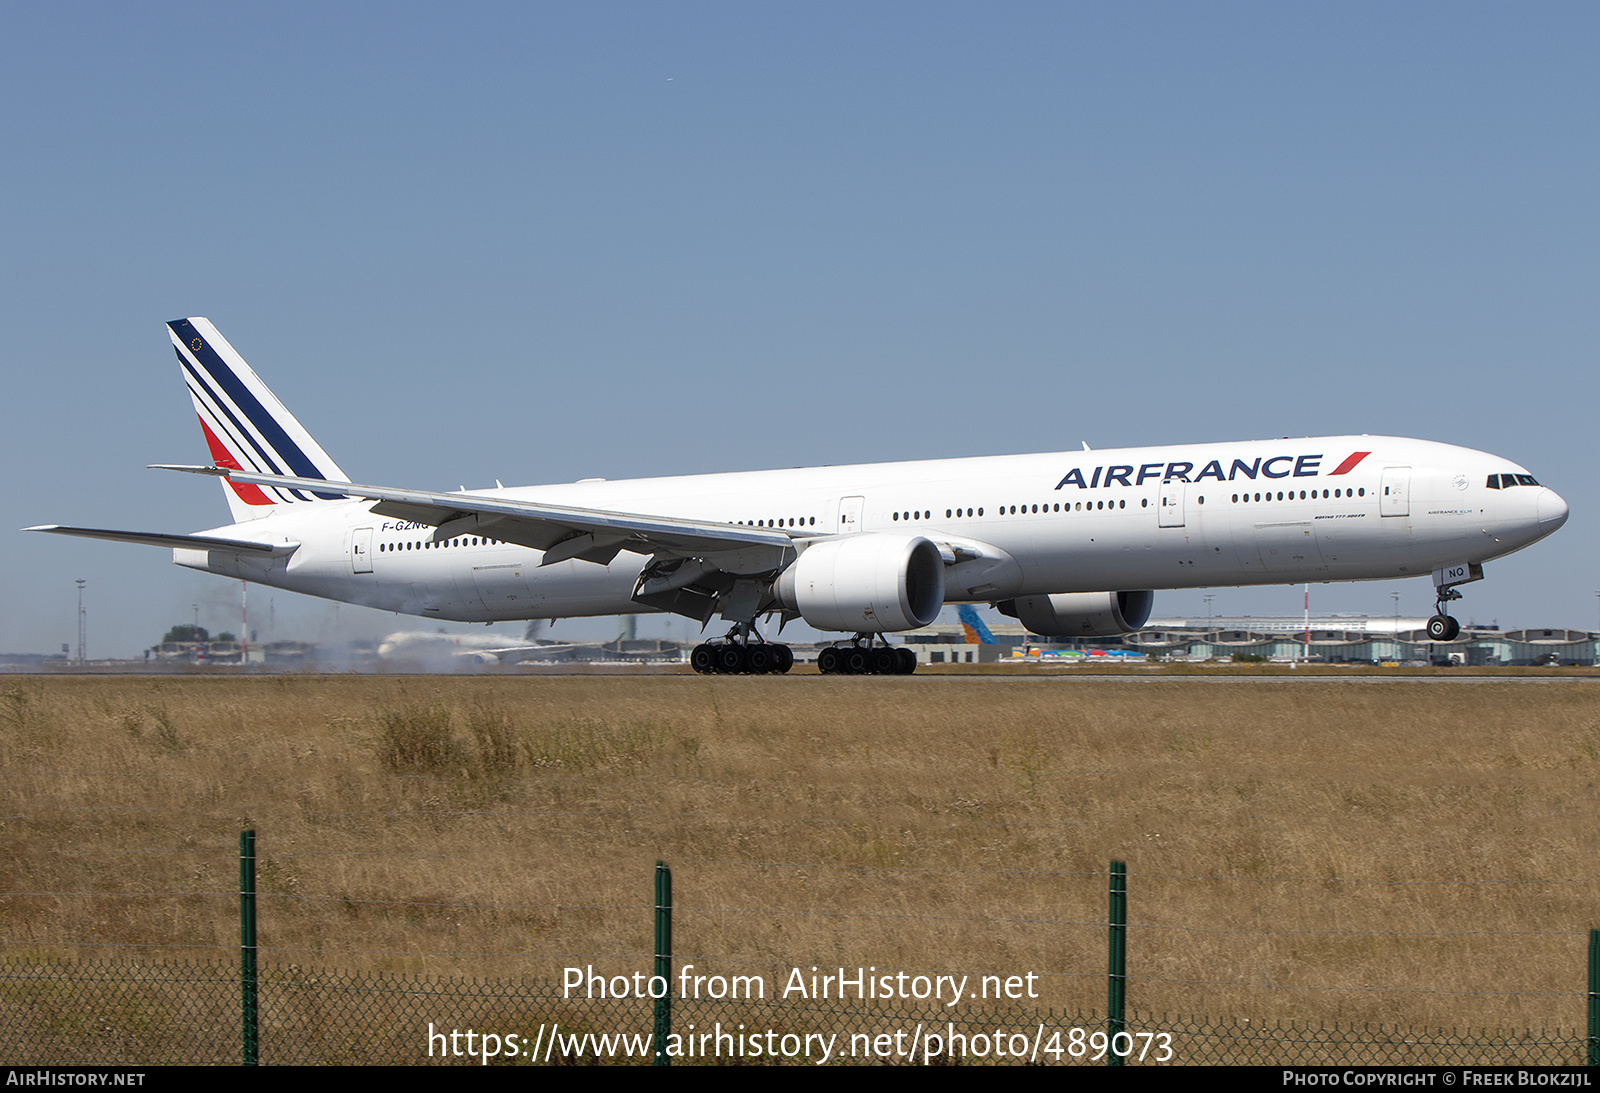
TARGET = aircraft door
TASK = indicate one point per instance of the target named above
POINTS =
(361, 550)
(850, 514)
(1170, 504)
(1394, 498)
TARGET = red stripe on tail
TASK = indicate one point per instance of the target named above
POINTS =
(250, 495)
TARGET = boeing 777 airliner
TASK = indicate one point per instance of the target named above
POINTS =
(1069, 543)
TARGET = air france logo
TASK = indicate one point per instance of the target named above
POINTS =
(1277, 466)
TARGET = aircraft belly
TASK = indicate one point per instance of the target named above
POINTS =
(1093, 554)
(575, 588)
(466, 588)
(1099, 552)
(1289, 548)
(502, 588)
(298, 572)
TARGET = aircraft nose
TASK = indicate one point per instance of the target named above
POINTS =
(1552, 510)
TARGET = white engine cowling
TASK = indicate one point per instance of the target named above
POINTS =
(1082, 614)
(873, 583)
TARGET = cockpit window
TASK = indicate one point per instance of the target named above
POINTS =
(1506, 481)
(1526, 480)
(1494, 482)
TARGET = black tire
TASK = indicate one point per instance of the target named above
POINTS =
(759, 659)
(907, 659)
(884, 662)
(730, 659)
(783, 659)
(1455, 629)
(828, 661)
(704, 658)
(1442, 628)
(855, 662)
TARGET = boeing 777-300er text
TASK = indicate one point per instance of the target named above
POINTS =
(1070, 543)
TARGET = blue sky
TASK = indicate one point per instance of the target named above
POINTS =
(547, 242)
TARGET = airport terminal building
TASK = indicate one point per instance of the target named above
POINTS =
(1329, 639)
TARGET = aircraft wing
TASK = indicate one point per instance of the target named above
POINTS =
(562, 532)
(183, 542)
(532, 652)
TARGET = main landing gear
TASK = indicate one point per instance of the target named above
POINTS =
(742, 652)
(745, 652)
(862, 657)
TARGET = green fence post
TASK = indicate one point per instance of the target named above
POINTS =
(663, 970)
(1594, 997)
(247, 943)
(1118, 978)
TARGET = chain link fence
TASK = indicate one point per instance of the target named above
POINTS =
(62, 1012)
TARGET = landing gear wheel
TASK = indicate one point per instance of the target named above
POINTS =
(1443, 628)
(704, 659)
(730, 659)
(907, 661)
(782, 659)
(884, 661)
(855, 661)
(828, 662)
(759, 659)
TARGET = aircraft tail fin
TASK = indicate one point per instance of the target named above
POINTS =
(972, 625)
(246, 427)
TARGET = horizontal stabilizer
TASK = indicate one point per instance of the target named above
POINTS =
(179, 542)
(190, 468)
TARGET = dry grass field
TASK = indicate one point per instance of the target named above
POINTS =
(1416, 852)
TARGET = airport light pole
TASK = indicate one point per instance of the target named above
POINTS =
(82, 622)
(1305, 655)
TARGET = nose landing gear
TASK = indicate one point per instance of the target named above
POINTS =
(1442, 627)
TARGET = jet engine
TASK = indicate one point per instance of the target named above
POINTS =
(1081, 614)
(865, 583)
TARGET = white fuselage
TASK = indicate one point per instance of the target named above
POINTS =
(1184, 516)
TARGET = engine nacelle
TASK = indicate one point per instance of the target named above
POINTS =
(1081, 614)
(873, 583)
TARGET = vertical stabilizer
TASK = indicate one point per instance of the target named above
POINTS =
(246, 427)
(972, 625)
